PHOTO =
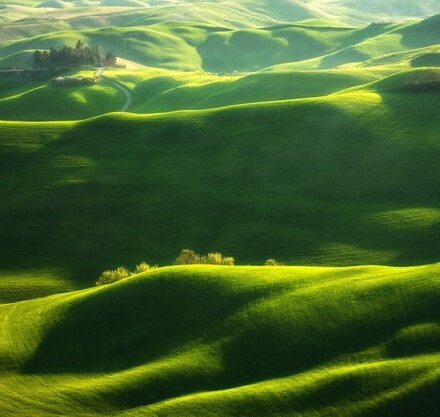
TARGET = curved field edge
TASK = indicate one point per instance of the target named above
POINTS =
(229, 341)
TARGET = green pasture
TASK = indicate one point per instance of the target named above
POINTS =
(342, 180)
(188, 46)
(292, 130)
(229, 341)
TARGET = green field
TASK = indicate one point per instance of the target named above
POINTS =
(189, 46)
(238, 341)
(301, 131)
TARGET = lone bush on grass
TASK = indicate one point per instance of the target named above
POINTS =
(113, 275)
(217, 258)
(142, 267)
(189, 257)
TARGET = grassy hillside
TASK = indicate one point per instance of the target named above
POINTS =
(229, 341)
(377, 9)
(305, 131)
(284, 175)
(61, 103)
(401, 81)
(230, 13)
(160, 90)
(220, 49)
(185, 46)
(342, 180)
(156, 90)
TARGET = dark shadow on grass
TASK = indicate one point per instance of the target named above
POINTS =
(144, 320)
(283, 347)
(424, 33)
(253, 183)
(427, 60)
(132, 324)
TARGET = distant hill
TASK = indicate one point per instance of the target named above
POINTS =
(393, 8)
(55, 4)
(123, 3)
(215, 49)
(231, 13)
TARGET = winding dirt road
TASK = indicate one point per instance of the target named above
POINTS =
(118, 86)
(125, 91)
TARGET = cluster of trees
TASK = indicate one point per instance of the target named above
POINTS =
(189, 257)
(186, 257)
(71, 80)
(80, 55)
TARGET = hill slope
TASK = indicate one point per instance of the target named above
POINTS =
(43, 101)
(347, 179)
(232, 13)
(188, 46)
(229, 341)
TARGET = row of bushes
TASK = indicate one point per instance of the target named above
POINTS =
(186, 257)
(189, 257)
(70, 81)
(114, 275)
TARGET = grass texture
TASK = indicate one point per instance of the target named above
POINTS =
(258, 128)
(339, 180)
(189, 46)
(229, 341)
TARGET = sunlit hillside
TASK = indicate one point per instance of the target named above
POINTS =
(225, 341)
(297, 139)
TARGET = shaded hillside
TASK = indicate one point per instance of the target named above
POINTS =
(348, 179)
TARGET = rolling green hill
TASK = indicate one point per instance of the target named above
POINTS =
(188, 46)
(377, 9)
(43, 101)
(156, 90)
(233, 13)
(359, 187)
(305, 131)
(229, 341)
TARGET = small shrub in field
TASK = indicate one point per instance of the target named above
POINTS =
(187, 257)
(71, 81)
(273, 262)
(142, 267)
(217, 258)
(111, 276)
(228, 260)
